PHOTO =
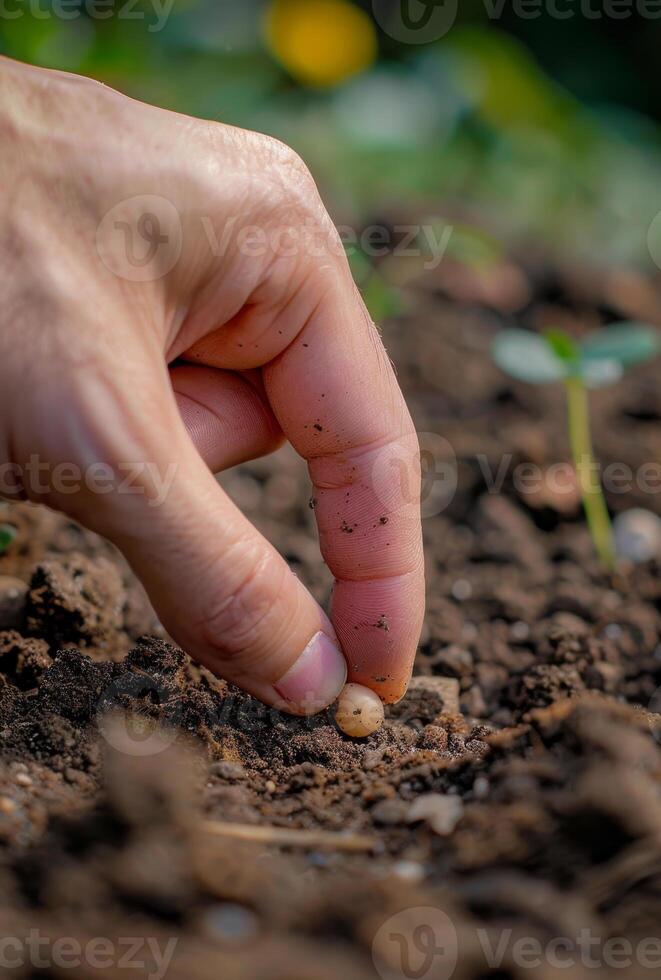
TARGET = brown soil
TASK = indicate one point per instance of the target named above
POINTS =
(119, 756)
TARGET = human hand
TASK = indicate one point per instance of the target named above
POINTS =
(142, 327)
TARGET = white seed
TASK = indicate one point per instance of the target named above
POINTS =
(359, 711)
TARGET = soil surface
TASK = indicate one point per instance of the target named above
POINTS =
(515, 792)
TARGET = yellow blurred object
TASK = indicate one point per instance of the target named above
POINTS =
(320, 42)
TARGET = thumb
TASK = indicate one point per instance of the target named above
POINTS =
(220, 589)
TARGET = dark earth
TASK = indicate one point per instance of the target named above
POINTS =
(516, 788)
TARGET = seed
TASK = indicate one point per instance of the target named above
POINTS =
(359, 711)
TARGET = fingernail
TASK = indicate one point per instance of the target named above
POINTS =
(317, 677)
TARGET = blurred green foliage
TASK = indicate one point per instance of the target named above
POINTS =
(471, 123)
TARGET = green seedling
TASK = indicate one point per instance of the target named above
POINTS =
(598, 360)
(7, 535)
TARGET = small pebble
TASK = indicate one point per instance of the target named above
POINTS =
(359, 711)
(231, 923)
(461, 590)
(519, 631)
(22, 779)
(637, 535)
(408, 870)
(481, 788)
(442, 813)
(270, 786)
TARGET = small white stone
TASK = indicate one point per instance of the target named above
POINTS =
(519, 631)
(408, 870)
(442, 813)
(481, 788)
(637, 535)
(231, 923)
(461, 590)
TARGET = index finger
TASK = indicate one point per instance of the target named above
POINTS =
(335, 395)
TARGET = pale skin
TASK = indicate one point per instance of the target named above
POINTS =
(214, 358)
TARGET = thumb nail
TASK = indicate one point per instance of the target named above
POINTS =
(316, 679)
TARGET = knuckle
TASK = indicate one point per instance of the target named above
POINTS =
(290, 173)
(285, 157)
(237, 621)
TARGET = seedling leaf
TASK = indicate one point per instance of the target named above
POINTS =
(562, 346)
(7, 535)
(626, 343)
(600, 373)
(527, 357)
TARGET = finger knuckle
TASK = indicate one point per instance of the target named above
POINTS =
(290, 173)
(236, 622)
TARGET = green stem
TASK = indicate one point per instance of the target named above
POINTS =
(592, 495)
